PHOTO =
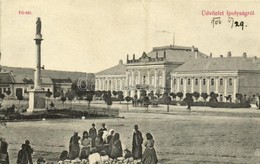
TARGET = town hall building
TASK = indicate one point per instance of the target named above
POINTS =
(183, 69)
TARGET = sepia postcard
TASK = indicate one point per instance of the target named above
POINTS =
(129, 81)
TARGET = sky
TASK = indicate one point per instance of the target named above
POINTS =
(93, 35)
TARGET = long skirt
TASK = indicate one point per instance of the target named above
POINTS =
(137, 152)
(149, 156)
(85, 151)
(74, 151)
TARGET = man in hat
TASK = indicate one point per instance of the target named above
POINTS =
(137, 143)
(93, 135)
(29, 151)
(103, 128)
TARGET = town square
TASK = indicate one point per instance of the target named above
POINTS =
(129, 82)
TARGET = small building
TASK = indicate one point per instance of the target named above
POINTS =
(112, 79)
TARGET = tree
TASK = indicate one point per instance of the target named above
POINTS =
(2, 96)
(173, 95)
(48, 95)
(167, 100)
(56, 94)
(89, 97)
(71, 97)
(146, 102)
(115, 93)
(20, 98)
(63, 99)
(107, 98)
(180, 95)
(196, 95)
(239, 97)
(120, 96)
(204, 96)
(8, 92)
(128, 99)
(213, 97)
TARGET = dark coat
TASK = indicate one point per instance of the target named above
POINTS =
(116, 149)
(137, 144)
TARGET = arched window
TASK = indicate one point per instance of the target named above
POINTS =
(174, 81)
(204, 81)
(144, 80)
(212, 82)
(220, 81)
(160, 80)
(152, 82)
(188, 81)
(230, 81)
(196, 82)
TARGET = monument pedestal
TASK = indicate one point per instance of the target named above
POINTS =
(36, 101)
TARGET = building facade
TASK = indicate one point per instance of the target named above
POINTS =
(183, 69)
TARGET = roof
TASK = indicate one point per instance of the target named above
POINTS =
(167, 54)
(119, 69)
(220, 64)
(29, 73)
(6, 78)
(57, 81)
(176, 53)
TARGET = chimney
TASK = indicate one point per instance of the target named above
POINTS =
(229, 54)
(164, 54)
(156, 54)
(210, 55)
(244, 55)
(127, 58)
(120, 62)
(254, 60)
(192, 48)
(196, 54)
(133, 56)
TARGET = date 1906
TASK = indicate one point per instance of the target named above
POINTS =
(21, 12)
(233, 23)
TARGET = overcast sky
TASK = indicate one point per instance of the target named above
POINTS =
(92, 35)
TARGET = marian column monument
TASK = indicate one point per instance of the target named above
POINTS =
(37, 94)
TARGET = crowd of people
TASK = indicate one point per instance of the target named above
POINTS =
(101, 146)
(104, 146)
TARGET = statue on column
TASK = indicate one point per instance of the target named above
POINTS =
(38, 26)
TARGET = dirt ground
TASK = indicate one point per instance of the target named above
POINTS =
(202, 136)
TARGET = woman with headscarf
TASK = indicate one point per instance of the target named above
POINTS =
(109, 141)
(116, 147)
(74, 148)
(149, 156)
(86, 143)
(3, 150)
(99, 142)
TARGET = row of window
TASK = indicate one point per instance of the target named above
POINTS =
(212, 81)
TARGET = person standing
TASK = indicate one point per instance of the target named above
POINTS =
(74, 148)
(3, 150)
(93, 135)
(149, 155)
(137, 143)
(116, 147)
(86, 143)
(29, 151)
(23, 156)
(103, 128)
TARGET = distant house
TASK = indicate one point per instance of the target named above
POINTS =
(62, 85)
(20, 80)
